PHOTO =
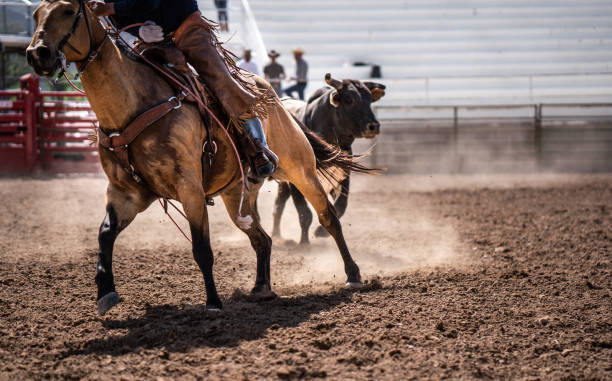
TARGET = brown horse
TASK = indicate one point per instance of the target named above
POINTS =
(167, 155)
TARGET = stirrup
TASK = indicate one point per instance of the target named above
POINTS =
(261, 168)
(264, 169)
(267, 152)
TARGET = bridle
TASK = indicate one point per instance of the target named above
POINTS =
(93, 51)
(243, 221)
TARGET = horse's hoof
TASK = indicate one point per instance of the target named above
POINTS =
(262, 294)
(321, 232)
(354, 285)
(214, 305)
(107, 302)
(214, 310)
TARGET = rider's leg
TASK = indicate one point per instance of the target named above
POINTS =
(290, 90)
(265, 161)
(237, 98)
(300, 89)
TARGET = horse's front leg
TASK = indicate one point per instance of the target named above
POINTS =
(194, 203)
(120, 211)
(260, 241)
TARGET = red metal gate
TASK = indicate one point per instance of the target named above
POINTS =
(17, 132)
(45, 131)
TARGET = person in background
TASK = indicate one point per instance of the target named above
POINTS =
(246, 63)
(222, 15)
(301, 75)
(274, 72)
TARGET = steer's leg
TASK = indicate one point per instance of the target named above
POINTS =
(121, 208)
(260, 241)
(340, 205)
(279, 206)
(303, 212)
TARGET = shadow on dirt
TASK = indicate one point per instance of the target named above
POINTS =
(179, 328)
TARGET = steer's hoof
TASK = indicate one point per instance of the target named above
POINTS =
(107, 302)
(354, 285)
(321, 232)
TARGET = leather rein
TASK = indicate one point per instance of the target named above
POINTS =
(118, 142)
(93, 51)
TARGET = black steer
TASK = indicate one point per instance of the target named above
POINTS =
(339, 113)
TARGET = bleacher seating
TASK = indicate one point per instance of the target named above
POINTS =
(449, 51)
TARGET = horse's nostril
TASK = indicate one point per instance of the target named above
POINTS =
(43, 52)
(373, 126)
(30, 56)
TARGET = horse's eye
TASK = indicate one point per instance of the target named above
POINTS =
(69, 12)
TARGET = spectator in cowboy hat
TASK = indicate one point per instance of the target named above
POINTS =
(274, 72)
(246, 63)
(301, 75)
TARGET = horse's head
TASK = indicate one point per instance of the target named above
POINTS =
(61, 29)
(353, 100)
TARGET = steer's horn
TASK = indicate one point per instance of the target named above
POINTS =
(333, 82)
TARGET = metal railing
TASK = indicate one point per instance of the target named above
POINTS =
(401, 119)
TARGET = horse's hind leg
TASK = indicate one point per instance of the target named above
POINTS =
(285, 190)
(279, 206)
(310, 187)
(340, 205)
(260, 241)
(121, 209)
(303, 212)
(342, 201)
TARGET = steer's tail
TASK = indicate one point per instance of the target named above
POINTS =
(334, 164)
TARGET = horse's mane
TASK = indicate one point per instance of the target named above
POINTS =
(126, 50)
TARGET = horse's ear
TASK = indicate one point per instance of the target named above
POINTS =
(334, 99)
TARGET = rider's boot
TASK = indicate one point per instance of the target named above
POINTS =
(264, 161)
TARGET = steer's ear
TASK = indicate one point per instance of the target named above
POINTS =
(377, 90)
(334, 99)
(377, 94)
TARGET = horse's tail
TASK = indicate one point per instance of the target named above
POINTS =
(334, 164)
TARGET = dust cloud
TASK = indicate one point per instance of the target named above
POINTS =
(388, 227)
(386, 236)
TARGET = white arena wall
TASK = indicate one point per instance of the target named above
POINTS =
(451, 51)
(446, 61)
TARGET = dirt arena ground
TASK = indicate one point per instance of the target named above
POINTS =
(505, 277)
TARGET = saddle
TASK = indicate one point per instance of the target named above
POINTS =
(171, 59)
